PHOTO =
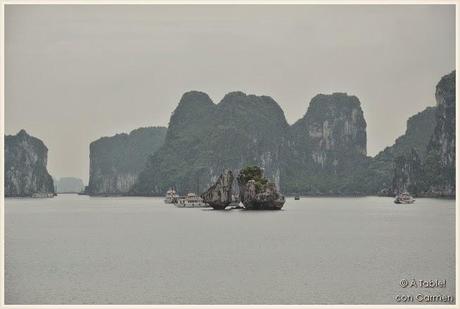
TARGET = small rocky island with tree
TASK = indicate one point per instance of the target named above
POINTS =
(255, 191)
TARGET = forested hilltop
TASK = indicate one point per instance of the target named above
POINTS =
(323, 153)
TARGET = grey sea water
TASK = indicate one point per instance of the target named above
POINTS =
(131, 250)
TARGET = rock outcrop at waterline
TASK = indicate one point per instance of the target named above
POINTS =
(219, 195)
(256, 193)
(25, 167)
(115, 162)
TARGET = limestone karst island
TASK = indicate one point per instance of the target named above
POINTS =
(163, 154)
(242, 152)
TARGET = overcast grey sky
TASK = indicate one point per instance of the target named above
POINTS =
(76, 73)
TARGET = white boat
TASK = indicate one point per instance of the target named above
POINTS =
(43, 195)
(171, 196)
(404, 198)
(191, 200)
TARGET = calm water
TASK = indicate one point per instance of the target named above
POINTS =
(76, 249)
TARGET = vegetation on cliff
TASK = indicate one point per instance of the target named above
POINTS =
(433, 174)
(254, 173)
(204, 138)
(328, 144)
(379, 172)
(439, 165)
(323, 153)
(256, 192)
(116, 161)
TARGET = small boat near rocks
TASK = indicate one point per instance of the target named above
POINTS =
(404, 198)
(171, 196)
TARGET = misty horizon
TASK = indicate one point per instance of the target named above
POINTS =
(102, 71)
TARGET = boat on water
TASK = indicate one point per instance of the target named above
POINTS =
(191, 200)
(404, 198)
(296, 197)
(43, 195)
(171, 196)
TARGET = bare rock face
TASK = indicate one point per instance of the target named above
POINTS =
(333, 130)
(327, 146)
(256, 193)
(408, 174)
(219, 195)
(440, 159)
(444, 137)
(25, 167)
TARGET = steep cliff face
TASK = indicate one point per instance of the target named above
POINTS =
(192, 118)
(419, 130)
(325, 145)
(249, 130)
(25, 166)
(428, 170)
(408, 174)
(324, 153)
(203, 139)
(334, 130)
(174, 164)
(115, 162)
(439, 165)
(380, 171)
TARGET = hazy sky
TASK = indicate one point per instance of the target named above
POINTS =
(76, 73)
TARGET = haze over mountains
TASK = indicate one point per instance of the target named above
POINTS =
(68, 185)
(323, 153)
(116, 161)
(71, 77)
